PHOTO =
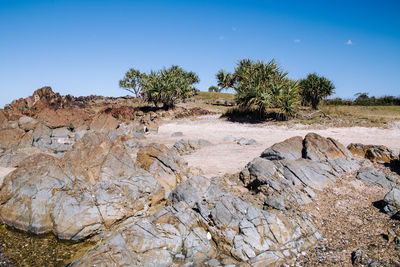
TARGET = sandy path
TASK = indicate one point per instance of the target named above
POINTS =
(224, 157)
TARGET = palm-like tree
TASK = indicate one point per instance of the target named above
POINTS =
(314, 88)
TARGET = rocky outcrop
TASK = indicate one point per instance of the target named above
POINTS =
(73, 118)
(94, 186)
(205, 222)
(164, 164)
(289, 173)
(374, 153)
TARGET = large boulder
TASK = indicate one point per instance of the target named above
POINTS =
(103, 122)
(206, 223)
(319, 148)
(290, 149)
(94, 186)
(12, 138)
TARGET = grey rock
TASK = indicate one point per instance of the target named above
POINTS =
(60, 132)
(290, 149)
(27, 123)
(229, 139)
(392, 202)
(13, 157)
(95, 185)
(246, 141)
(79, 134)
(317, 148)
(375, 177)
(177, 134)
(188, 146)
(204, 221)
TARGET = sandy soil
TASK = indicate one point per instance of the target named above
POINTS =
(224, 157)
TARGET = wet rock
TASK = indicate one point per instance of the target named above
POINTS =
(246, 141)
(27, 123)
(375, 177)
(374, 153)
(290, 149)
(95, 185)
(392, 203)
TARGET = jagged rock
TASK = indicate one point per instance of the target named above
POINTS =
(60, 132)
(27, 123)
(205, 223)
(13, 157)
(12, 138)
(164, 163)
(188, 146)
(392, 203)
(246, 141)
(290, 149)
(316, 147)
(103, 122)
(374, 153)
(66, 117)
(94, 186)
(375, 177)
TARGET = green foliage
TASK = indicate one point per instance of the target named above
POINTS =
(261, 86)
(314, 88)
(225, 79)
(133, 82)
(167, 86)
(362, 99)
(214, 89)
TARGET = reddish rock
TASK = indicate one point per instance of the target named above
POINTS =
(317, 148)
(372, 152)
(10, 138)
(68, 117)
(103, 122)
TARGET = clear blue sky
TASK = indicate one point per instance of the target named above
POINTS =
(84, 47)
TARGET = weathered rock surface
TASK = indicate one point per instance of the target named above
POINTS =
(68, 117)
(375, 177)
(290, 149)
(94, 186)
(27, 123)
(103, 122)
(188, 146)
(374, 153)
(164, 164)
(316, 147)
(392, 203)
(205, 222)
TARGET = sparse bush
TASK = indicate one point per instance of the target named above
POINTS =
(314, 88)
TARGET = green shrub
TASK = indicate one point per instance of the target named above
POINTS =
(167, 86)
(314, 88)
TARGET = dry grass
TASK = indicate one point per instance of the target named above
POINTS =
(213, 96)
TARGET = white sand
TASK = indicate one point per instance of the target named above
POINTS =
(225, 157)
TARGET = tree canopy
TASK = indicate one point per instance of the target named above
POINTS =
(314, 88)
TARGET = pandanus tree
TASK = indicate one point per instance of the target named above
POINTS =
(167, 86)
(262, 86)
(314, 88)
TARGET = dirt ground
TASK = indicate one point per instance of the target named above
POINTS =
(228, 157)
